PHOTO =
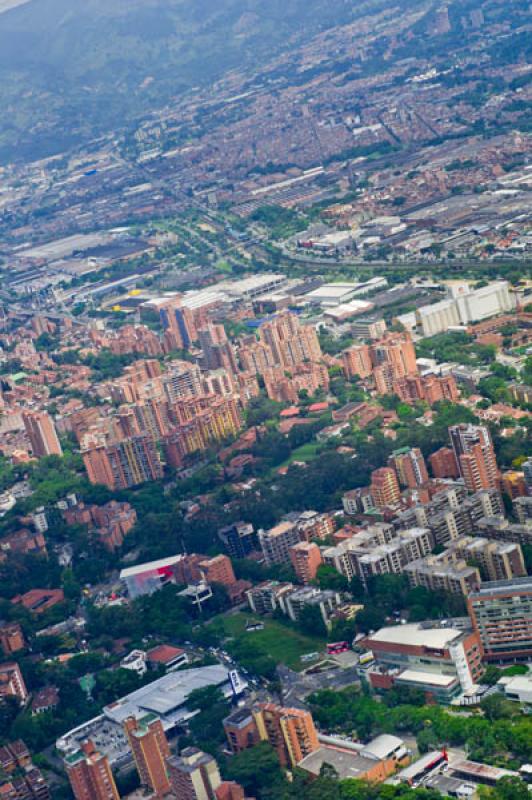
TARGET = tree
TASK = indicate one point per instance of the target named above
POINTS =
(311, 621)
(495, 706)
(512, 788)
(258, 771)
(329, 578)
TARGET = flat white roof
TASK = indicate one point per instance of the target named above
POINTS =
(429, 678)
(148, 566)
(414, 634)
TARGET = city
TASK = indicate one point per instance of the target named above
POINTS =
(266, 414)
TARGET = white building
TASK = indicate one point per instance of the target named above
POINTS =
(465, 306)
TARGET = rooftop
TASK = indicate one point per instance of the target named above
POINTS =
(415, 635)
(148, 566)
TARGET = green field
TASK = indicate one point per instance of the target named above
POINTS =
(306, 452)
(284, 644)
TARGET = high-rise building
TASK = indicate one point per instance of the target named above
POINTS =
(443, 463)
(239, 539)
(12, 682)
(276, 542)
(356, 362)
(290, 342)
(150, 749)
(193, 775)
(305, 558)
(217, 350)
(218, 569)
(384, 487)
(290, 731)
(410, 467)
(474, 452)
(42, 434)
(181, 381)
(90, 775)
(398, 351)
(241, 730)
(123, 464)
(198, 422)
(501, 612)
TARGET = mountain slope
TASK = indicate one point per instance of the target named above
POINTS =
(70, 69)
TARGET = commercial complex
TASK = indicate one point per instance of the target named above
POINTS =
(443, 661)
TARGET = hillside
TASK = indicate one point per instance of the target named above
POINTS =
(71, 69)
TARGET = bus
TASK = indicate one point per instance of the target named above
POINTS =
(337, 647)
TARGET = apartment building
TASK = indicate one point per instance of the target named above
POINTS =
(239, 539)
(495, 560)
(276, 542)
(90, 775)
(123, 464)
(475, 455)
(193, 775)
(409, 466)
(384, 487)
(439, 573)
(290, 731)
(305, 558)
(42, 434)
(501, 614)
(150, 749)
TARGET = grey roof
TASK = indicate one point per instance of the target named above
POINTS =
(167, 695)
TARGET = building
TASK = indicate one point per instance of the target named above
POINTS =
(356, 362)
(218, 570)
(123, 464)
(150, 749)
(37, 601)
(199, 422)
(239, 539)
(149, 577)
(276, 542)
(193, 775)
(409, 466)
(42, 434)
(266, 597)
(11, 638)
(167, 656)
(501, 613)
(217, 350)
(241, 730)
(90, 775)
(527, 471)
(444, 661)
(466, 306)
(11, 682)
(305, 558)
(384, 487)
(373, 762)
(443, 463)
(290, 731)
(475, 455)
(495, 560)
(439, 573)
(325, 601)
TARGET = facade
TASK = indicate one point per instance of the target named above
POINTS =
(290, 731)
(356, 362)
(475, 455)
(443, 463)
(12, 683)
(305, 558)
(239, 539)
(241, 730)
(149, 577)
(410, 467)
(42, 434)
(193, 775)
(218, 570)
(501, 613)
(384, 487)
(150, 749)
(123, 464)
(276, 542)
(495, 560)
(90, 775)
(439, 573)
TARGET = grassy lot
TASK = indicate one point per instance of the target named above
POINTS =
(304, 453)
(284, 644)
